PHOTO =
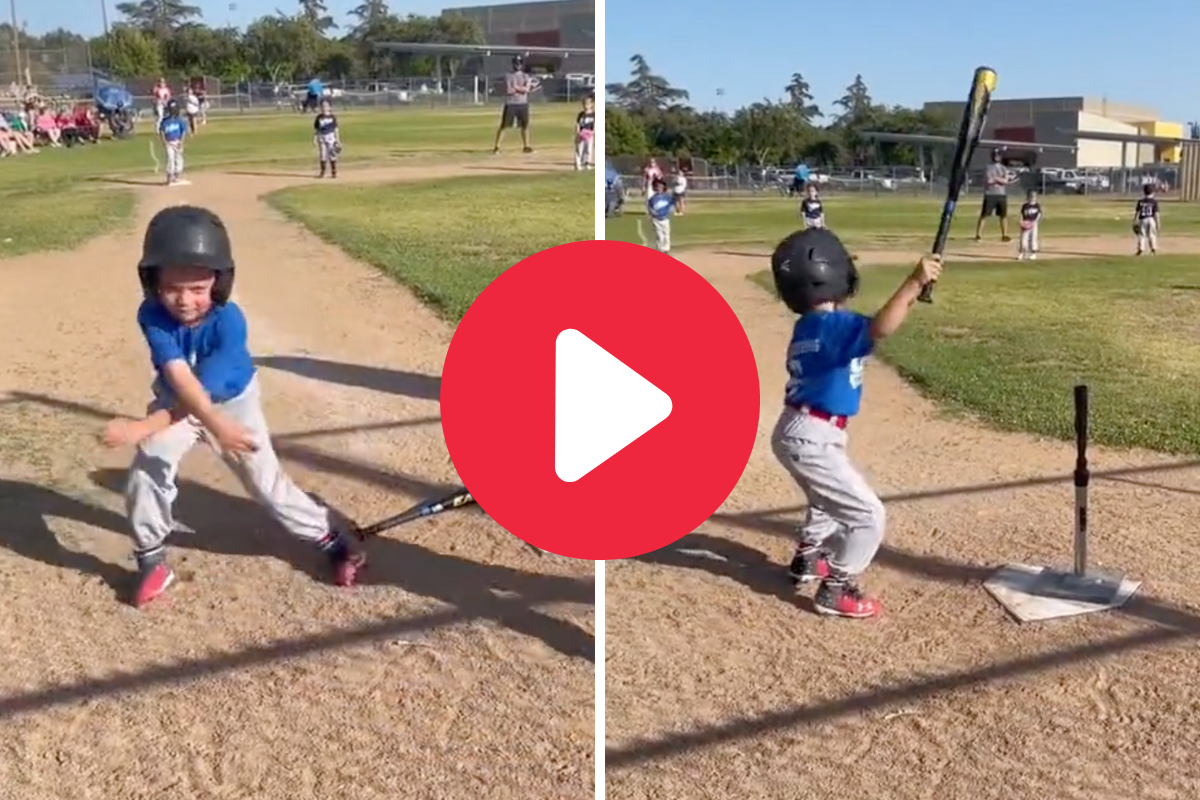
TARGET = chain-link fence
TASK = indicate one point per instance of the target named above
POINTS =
(255, 97)
(706, 178)
(45, 67)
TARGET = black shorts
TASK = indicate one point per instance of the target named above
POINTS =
(994, 204)
(515, 114)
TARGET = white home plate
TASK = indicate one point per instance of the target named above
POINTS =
(1036, 594)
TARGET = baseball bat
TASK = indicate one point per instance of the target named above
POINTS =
(458, 499)
(1082, 477)
(969, 133)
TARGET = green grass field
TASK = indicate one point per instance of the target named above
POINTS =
(35, 190)
(447, 240)
(885, 222)
(56, 217)
(1007, 341)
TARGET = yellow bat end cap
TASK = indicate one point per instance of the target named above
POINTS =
(987, 77)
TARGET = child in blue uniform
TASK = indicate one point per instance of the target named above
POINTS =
(659, 206)
(206, 389)
(815, 275)
(328, 138)
(173, 130)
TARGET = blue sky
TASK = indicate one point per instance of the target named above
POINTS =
(84, 16)
(913, 51)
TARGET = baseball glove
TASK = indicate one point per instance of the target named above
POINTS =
(336, 148)
(1026, 224)
(1137, 228)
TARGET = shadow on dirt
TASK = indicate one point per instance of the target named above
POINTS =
(407, 384)
(264, 174)
(542, 167)
(234, 526)
(126, 181)
(725, 557)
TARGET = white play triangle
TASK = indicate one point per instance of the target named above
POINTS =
(601, 406)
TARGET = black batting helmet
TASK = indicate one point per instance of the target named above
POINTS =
(812, 267)
(187, 236)
(518, 63)
(172, 106)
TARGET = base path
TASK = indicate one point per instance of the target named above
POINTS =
(721, 682)
(461, 668)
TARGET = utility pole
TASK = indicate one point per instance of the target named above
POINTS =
(12, 11)
(104, 15)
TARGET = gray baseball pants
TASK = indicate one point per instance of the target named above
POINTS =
(583, 152)
(662, 235)
(150, 490)
(845, 516)
(1147, 234)
(174, 159)
(326, 151)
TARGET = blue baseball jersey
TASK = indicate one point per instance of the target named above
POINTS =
(173, 129)
(801, 172)
(825, 361)
(216, 349)
(315, 87)
(660, 205)
(812, 209)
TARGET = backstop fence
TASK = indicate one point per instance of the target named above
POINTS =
(1180, 181)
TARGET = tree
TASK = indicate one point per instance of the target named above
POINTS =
(646, 92)
(129, 53)
(768, 132)
(856, 102)
(199, 50)
(159, 17)
(283, 48)
(800, 98)
(316, 13)
(765, 132)
(623, 136)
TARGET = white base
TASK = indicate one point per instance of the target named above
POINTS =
(1036, 594)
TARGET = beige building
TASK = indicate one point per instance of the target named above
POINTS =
(1055, 120)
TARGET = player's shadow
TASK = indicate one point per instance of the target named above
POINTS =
(729, 559)
(229, 525)
(540, 167)
(24, 508)
(264, 174)
(392, 381)
(125, 181)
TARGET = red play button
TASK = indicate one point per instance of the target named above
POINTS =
(600, 400)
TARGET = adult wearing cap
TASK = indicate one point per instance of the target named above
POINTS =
(995, 197)
(517, 86)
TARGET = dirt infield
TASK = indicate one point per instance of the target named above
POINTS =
(462, 668)
(721, 683)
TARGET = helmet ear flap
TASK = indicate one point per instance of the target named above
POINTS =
(223, 287)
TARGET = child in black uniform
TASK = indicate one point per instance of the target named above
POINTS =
(328, 139)
(585, 134)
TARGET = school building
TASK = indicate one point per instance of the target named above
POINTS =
(1056, 120)
(551, 23)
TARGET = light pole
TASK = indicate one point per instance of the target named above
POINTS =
(104, 15)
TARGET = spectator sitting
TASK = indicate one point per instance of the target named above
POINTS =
(86, 126)
(13, 131)
(66, 124)
(45, 125)
(8, 145)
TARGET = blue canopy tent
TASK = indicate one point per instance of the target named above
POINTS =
(115, 105)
